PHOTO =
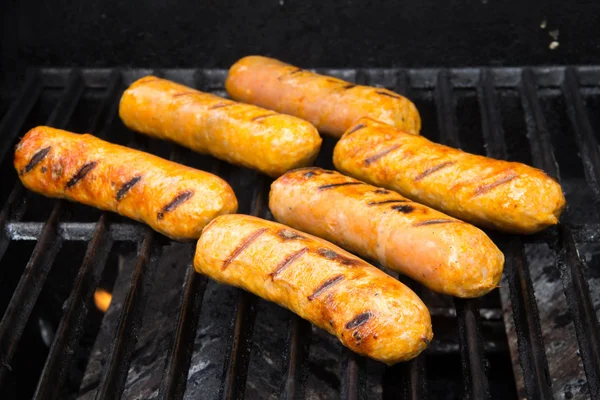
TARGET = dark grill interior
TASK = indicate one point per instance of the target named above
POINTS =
(172, 333)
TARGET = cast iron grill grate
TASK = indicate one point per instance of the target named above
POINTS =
(540, 116)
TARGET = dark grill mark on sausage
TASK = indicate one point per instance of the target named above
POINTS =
(296, 71)
(393, 95)
(404, 209)
(263, 116)
(289, 260)
(83, 171)
(127, 187)
(36, 159)
(244, 244)
(332, 255)
(220, 105)
(374, 203)
(381, 191)
(292, 72)
(435, 221)
(348, 86)
(357, 127)
(176, 202)
(325, 285)
(334, 185)
(431, 170)
(188, 93)
(382, 153)
(359, 320)
(486, 188)
(289, 235)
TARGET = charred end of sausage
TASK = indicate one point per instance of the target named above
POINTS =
(356, 128)
(487, 187)
(325, 285)
(433, 169)
(176, 202)
(435, 222)
(388, 94)
(404, 208)
(244, 244)
(289, 235)
(332, 255)
(127, 186)
(36, 159)
(371, 159)
(83, 171)
(359, 320)
(375, 203)
(286, 262)
(334, 185)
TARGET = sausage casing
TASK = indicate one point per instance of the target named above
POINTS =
(370, 312)
(507, 196)
(445, 254)
(331, 104)
(238, 133)
(173, 199)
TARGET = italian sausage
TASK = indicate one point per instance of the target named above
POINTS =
(331, 104)
(370, 312)
(443, 253)
(238, 133)
(173, 199)
(507, 196)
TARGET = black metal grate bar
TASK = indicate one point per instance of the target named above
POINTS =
(475, 381)
(176, 369)
(70, 328)
(236, 364)
(37, 269)
(125, 333)
(525, 313)
(575, 286)
(298, 350)
(353, 381)
(584, 133)
(77, 305)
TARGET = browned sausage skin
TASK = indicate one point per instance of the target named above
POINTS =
(507, 196)
(173, 199)
(370, 312)
(331, 104)
(238, 133)
(443, 253)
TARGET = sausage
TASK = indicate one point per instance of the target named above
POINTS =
(507, 196)
(331, 104)
(370, 312)
(173, 199)
(443, 253)
(238, 133)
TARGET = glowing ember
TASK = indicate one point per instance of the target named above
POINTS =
(102, 299)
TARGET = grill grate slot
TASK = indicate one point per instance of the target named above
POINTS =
(471, 340)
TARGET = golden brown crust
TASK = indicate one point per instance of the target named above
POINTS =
(507, 196)
(238, 133)
(331, 104)
(443, 253)
(369, 311)
(175, 200)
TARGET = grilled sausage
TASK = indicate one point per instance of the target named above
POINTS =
(173, 199)
(331, 104)
(238, 133)
(370, 312)
(445, 254)
(507, 196)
